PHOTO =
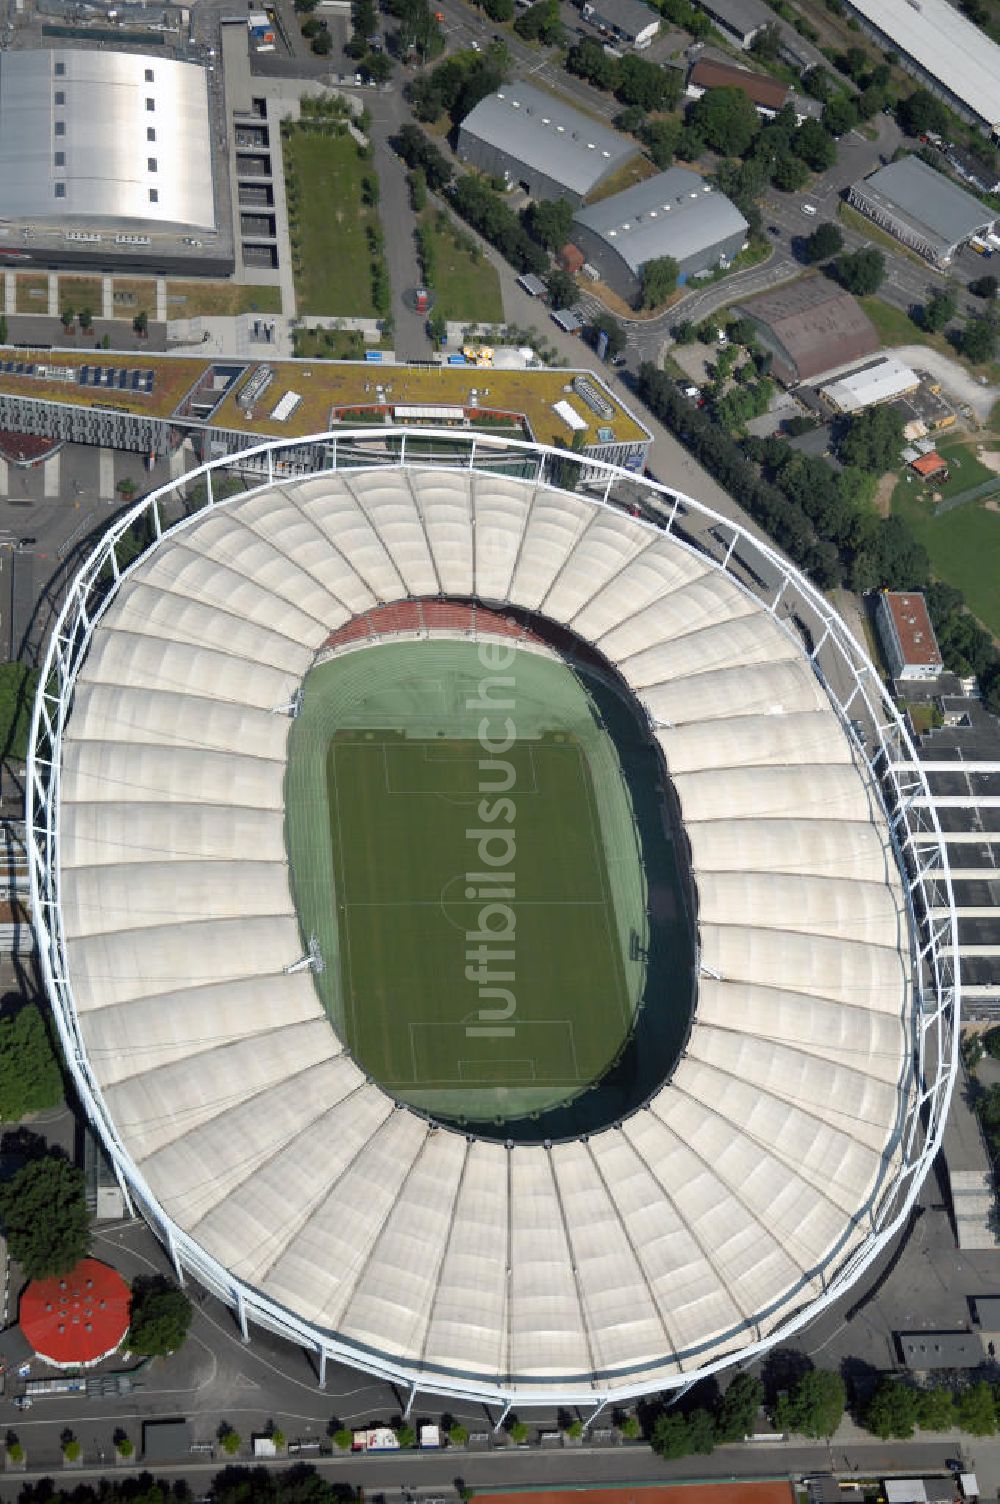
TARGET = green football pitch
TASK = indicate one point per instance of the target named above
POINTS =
(472, 996)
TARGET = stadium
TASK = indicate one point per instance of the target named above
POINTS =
(484, 918)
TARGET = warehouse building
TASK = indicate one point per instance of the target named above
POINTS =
(740, 20)
(810, 327)
(674, 214)
(528, 137)
(922, 208)
(882, 381)
(628, 21)
(943, 49)
(106, 139)
(767, 94)
(106, 158)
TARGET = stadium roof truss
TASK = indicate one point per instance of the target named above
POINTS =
(802, 684)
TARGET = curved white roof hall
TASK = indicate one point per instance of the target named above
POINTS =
(684, 1233)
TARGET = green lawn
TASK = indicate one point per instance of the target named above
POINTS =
(466, 285)
(386, 820)
(334, 272)
(963, 544)
(895, 327)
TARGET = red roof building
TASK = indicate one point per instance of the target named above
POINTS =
(77, 1320)
(907, 635)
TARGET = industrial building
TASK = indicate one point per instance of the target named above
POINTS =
(767, 94)
(922, 208)
(107, 157)
(943, 49)
(907, 636)
(740, 20)
(628, 21)
(673, 214)
(882, 381)
(810, 327)
(528, 137)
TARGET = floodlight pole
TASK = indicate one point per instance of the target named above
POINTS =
(322, 1368)
(409, 1403)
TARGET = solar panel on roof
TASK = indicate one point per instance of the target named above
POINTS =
(149, 381)
(136, 380)
(122, 379)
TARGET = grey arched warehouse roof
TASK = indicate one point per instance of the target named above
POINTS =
(101, 137)
(691, 1229)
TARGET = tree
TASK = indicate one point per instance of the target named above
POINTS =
(343, 1439)
(659, 280)
(892, 1409)
(160, 1319)
(978, 340)
(814, 1406)
(982, 287)
(541, 22)
(615, 335)
(140, 323)
(976, 1409)
(920, 112)
(939, 310)
(67, 316)
(740, 1404)
(44, 1213)
(230, 1440)
(499, 10)
(3, 328)
(549, 221)
(767, 43)
(814, 145)
(30, 1078)
(873, 440)
(458, 1435)
(321, 44)
(840, 115)
(517, 1430)
(726, 119)
(685, 332)
(437, 328)
(789, 173)
(561, 289)
(677, 1435)
(861, 272)
(406, 1436)
(660, 139)
(936, 1406)
(825, 241)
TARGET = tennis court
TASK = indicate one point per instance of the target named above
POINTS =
(481, 913)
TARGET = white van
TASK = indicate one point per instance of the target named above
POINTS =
(809, 209)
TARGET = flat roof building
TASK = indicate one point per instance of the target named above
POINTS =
(810, 327)
(937, 44)
(907, 635)
(101, 138)
(879, 382)
(527, 136)
(767, 94)
(627, 20)
(674, 214)
(922, 208)
(929, 1350)
(739, 19)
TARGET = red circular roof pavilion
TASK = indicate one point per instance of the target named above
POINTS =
(79, 1318)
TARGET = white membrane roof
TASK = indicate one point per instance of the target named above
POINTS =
(689, 1230)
